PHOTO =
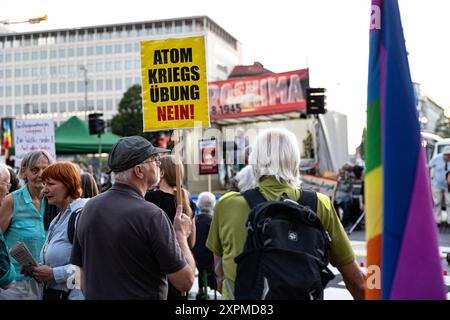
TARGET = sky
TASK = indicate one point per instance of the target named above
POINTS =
(328, 36)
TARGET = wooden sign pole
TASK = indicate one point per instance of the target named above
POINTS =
(177, 166)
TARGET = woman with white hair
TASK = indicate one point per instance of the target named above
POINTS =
(204, 258)
(275, 159)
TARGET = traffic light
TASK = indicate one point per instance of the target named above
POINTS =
(96, 124)
(315, 100)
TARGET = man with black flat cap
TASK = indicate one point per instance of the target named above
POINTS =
(126, 247)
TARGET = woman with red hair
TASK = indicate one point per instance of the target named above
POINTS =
(62, 187)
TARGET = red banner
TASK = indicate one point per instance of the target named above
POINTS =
(275, 93)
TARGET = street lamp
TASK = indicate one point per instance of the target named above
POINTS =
(84, 69)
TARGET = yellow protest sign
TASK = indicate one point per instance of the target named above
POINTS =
(174, 84)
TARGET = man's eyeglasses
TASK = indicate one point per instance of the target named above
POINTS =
(157, 161)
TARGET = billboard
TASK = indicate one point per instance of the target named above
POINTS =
(274, 93)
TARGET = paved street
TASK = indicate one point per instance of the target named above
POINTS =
(336, 288)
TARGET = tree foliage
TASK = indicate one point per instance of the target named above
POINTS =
(129, 121)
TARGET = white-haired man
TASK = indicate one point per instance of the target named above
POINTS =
(275, 158)
(125, 246)
(7, 272)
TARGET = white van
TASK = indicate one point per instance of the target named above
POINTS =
(440, 145)
(430, 141)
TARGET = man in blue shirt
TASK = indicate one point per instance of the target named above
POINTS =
(439, 166)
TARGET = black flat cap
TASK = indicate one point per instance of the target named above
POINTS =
(130, 151)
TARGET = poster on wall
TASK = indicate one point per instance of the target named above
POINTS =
(208, 157)
(31, 135)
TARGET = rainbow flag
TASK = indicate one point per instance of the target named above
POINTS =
(403, 259)
(6, 134)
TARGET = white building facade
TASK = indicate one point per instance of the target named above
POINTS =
(43, 74)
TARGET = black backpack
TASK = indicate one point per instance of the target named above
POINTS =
(285, 255)
(71, 227)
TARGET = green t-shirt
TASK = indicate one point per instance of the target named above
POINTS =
(228, 233)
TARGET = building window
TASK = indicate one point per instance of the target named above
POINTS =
(44, 71)
(109, 66)
(128, 47)
(18, 56)
(8, 109)
(53, 88)
(26, 56)
(44, 107)
(71, 85)
(137, 47)
(118, 65)
(35, 89)
(99, 85)
(71, 52)
(53, 54)
(43, 55)
(62, 107)
(80, 86)
(108, 85)
(128, 65)
(17, 73)
(109, 104)
(118, 48)
(108, 49)
(35, 72)
(34, 55)
(99, 49)
(80, 52)
(8, 73)
(26, 89)
(62, 87)
(90, 51)
(100, 106)
(8, 57)
(71, 106)
(99, 66)
(43, 88)
(26, 72)
(18, 110)
(17, 90)
(53, 107)
(35, 107)
(62, 53)
(8, 91)
(118, 84)
(62, 69)
(128, 82)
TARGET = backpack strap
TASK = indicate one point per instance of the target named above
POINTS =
(309, 199)
(253, 197)
(71, 224)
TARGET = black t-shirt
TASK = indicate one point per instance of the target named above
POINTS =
(166, 201)
(126, 247)
(203, 256)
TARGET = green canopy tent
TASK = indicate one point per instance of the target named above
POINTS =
(73, 137)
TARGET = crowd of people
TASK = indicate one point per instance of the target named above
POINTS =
(132, 240)
(349, 196)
